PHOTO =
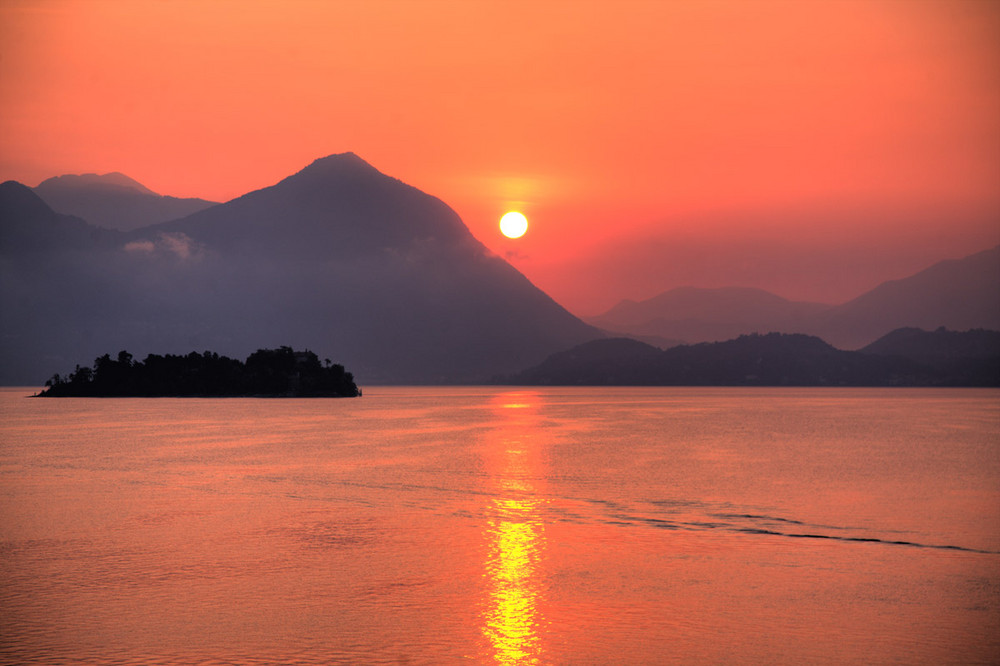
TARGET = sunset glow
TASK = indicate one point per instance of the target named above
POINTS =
(759, 143)
(500, 332)
(513, 224)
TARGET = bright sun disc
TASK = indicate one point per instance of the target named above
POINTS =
(513, 225)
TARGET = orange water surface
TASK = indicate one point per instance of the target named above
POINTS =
(503, 526)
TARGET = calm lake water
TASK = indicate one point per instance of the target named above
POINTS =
(503, 526)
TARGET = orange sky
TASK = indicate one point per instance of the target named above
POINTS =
(810, 148)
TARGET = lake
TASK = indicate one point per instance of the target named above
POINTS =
(498, 525)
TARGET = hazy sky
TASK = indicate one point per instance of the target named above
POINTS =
(810, 148)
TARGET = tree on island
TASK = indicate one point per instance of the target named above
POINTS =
(267, 372)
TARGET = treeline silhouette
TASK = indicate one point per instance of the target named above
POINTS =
(267, 372)
(906, 357)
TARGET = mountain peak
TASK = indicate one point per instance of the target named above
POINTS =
(20, 201)
(337, 206)
(113, 200)
(338, 256)
(114, 179)
(339, 164)
(348, 157)
(340, 171)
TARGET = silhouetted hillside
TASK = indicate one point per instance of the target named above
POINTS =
(610, 361)
(279, 372)
(774, 359)
(337, 256)
(58, 284)
(968, 358)
(339, 207)
(28, 225)
(113, 201)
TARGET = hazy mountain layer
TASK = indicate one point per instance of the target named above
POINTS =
(337, 258)
(957, 294)
(358, 266)
(693, 314)
(113, 201)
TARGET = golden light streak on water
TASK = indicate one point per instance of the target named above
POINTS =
(515, 537)
(512, 622)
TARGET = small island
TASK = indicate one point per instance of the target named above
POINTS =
(280, 372)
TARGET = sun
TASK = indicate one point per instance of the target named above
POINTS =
(513, 224)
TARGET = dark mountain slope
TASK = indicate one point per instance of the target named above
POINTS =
(338, 258)
(345, 255)
(114, 201)
(57, 280)
(750, 360)
(968, 358)
(607, 362)
(28, 225)
(937, 347)
(337, 207)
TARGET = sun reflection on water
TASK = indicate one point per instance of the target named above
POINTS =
(515, 535)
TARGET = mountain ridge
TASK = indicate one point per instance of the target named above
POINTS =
(337, 257)
(350, 204)
(343, 258)
(772, 359)
(957, 293)
(113, 200)
(29, 225)
(114, 179)
(698, 314)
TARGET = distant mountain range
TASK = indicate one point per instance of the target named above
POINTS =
(113, 201)
(338, 258)
(957, 294)
(907, 357)
(693, 314)
(358, 266)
